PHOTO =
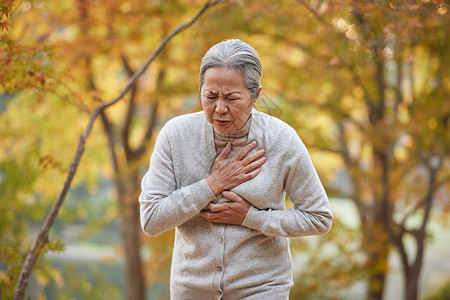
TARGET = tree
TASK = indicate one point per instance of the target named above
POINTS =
(129, 209)
(382, 86)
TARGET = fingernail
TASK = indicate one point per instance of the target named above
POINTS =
(253, 143)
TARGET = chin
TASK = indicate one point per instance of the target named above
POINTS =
(224, 130)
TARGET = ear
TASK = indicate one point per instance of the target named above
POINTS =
(257, 95)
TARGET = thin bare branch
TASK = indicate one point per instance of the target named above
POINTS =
(325, 148)
(130, 109)
(69, 100)
(148, 132)
(319, 17)
(109, 133)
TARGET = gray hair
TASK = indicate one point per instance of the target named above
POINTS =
(238, 55)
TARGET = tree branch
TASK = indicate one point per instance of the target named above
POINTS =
(354, 179)
(109, 133)
(279, 37)
(319, 17)
(130, 109)
(149, 131)
(151, 122)
(419, 233)
(42, 238)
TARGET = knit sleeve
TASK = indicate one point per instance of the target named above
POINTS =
(163, 206)
(311, 214)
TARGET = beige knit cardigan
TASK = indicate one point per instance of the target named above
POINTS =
(217, 261)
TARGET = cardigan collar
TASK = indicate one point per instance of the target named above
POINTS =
(253, 133)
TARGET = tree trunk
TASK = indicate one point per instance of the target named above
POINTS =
(378, 252)
(376, 285)
(130, 227)
(412, 285)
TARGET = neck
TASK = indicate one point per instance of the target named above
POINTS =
(238, 139)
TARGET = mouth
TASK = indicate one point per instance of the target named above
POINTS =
(222, 122)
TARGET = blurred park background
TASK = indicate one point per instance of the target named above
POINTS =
(365, 83)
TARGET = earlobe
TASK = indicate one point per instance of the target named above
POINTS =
(257, 95)
(259, 91)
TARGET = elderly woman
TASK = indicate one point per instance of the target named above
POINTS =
(220, 177)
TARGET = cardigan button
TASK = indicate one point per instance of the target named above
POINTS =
(219, 269)
(220, 240)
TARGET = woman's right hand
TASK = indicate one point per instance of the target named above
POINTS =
(226, 173)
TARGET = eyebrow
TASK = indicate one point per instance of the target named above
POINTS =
(227, 94)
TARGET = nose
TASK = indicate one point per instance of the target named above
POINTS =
(221, 107)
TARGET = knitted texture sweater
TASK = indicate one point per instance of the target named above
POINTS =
(218, 261)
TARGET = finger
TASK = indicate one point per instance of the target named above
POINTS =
(241, 154)
(256, 164)
(218, 207)
(207, 215)
(253, 156)
(232, 196)
(225, 152)
(252, 174)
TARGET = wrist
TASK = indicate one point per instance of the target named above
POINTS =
(213, 186)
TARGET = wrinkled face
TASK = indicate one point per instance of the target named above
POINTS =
(226, 102)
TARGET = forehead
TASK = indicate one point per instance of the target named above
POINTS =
(223, 79)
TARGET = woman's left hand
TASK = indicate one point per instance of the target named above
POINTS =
(233, 212)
